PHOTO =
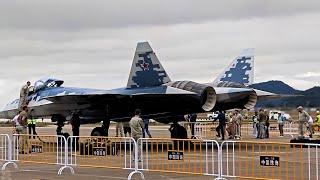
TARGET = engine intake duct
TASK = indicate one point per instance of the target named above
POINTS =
(206, 93)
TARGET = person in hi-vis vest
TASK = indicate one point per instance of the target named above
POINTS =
(32, 122)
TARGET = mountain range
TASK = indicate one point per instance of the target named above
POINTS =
(307, 98)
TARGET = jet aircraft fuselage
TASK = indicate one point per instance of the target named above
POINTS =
(149, 88)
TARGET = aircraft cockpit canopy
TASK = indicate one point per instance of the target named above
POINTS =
(47, 83)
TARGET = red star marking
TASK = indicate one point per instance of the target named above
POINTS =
(145, 66)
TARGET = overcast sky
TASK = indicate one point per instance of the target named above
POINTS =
(91, 43)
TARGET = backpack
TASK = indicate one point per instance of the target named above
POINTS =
(21, 121)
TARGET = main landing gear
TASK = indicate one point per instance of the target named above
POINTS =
(97, 131)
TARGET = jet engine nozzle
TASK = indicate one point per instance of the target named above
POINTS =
(206, 93)
(251, 100)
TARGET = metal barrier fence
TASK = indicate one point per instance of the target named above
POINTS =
(289, 129)
(207, 130)
(104, 152)
(268, 160)
(44, 149)
(188, 156)
(202, 130)
(6, 151)
(231, 159)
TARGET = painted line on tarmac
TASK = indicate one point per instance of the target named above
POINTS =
(82, 175)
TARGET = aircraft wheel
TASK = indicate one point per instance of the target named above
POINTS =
(98, 131)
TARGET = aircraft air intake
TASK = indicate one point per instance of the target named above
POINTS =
(207, 94)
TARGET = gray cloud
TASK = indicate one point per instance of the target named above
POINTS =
(78, 14)
(91, 44)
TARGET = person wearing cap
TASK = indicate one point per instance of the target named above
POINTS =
(24, 95)
(303, 118)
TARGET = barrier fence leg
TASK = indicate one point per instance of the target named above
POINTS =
(136, 159)
(220, 163)
(8, 148)
(66, 153)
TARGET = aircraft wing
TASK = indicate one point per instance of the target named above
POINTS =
(85, 98)
(264, 95)
(155, 95)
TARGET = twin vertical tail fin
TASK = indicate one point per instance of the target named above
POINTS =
(240, 70)
(146, 69)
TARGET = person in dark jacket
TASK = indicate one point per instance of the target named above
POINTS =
(178, 132)
(75, 123)
(222, 124)
(146, 128)
(267, 124)
(192, 120)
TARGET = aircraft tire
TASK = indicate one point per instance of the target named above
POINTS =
(98, 131)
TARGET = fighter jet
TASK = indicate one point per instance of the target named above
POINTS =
(149, 88)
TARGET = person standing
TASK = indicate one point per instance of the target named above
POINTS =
(136, 125)
(146, 128)
(119, 129)
(231, 129)
(24, 95)
(192, 119)
(317, 120)
(310, 126)
(126, 129)
(262, 118)
(222, 124)
(255, 124)
(267, 124)
(238, 120)
(75, 123)
(281, 120)
(23, 120)
(32, 124)
(22, 128)
(303, 118)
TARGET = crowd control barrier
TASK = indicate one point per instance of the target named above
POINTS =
(104, 152)
(230, 159)
(187, 156)
(207, 130)
(202, 130)
(267, 160)
(44, 149)
(6, 151)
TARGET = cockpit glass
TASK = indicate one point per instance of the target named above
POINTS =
(38, 85)
(47, 83)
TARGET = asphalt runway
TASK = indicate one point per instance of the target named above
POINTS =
(294, 162)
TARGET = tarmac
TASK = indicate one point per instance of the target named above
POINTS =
(48, 172)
